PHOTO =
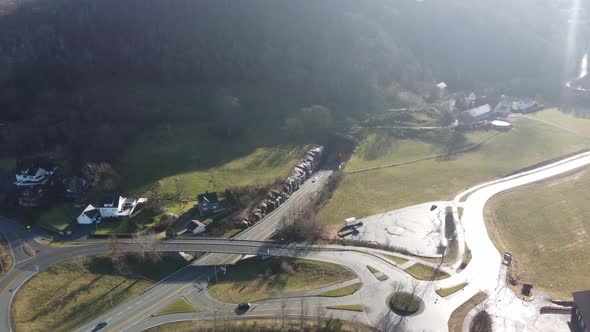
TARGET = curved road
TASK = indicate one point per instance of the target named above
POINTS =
(484, 272)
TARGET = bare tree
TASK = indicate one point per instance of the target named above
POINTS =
(147, 246)
(283, 302)
(302, 312)
(115, 246)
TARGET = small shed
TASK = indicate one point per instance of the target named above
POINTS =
(196, 227)
(348, 222)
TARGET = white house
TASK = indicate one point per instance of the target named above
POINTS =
(196, 227)
(89, 215)
(112, 207)
(32, 173)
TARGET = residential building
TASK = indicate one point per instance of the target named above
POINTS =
(89, 215)
(209, 204)
(580, 320)
(470, 99)
(476, 114)
(110, 207)
(33, 172)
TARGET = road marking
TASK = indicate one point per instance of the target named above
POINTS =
(150, 308)
(24, 260)
(10, 283)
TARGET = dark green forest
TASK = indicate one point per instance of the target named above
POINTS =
(88, 74)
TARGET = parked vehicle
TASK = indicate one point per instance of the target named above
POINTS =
(99, 326)
(507, 258)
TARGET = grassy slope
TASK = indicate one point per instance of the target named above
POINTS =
(569, 121)
(377, 191)
(253, 279)
(545, 226)
(191, 155)
(74, 292)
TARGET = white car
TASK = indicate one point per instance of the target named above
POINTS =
(314, 179)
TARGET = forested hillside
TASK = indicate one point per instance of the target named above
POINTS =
(75, 72)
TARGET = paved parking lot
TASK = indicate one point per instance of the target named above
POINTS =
(416, 228)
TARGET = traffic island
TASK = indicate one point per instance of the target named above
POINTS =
(405, 304)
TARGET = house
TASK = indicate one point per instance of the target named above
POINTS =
(196, 227)
(470, 99)
(580, 320)
(526, 105)
(503, 108)
(476, 114)
(209, 204)
(110, 207)
(89, 215)
(442, 86)
(33, 172)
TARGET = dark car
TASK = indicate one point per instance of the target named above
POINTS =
(243, 307)
(99, 326)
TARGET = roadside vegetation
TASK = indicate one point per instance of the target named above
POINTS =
(59, 217)
(397, 260)
(343, 291)
(552, 218)
(425, 272)
(6, 259)
(350, 307)
(179, 306)
(458, 316)
(71, 293)
(444, 292)
(320, 324)
(377, 191)
(256, 279)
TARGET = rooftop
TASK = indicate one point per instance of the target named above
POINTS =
(479, 111)
(208, 197)
(582, 300)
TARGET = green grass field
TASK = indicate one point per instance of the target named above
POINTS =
(178, 306)
(545, 227)
(377, 191)
(71, 293)
(254, 279)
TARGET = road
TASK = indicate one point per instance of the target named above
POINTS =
(483, 272)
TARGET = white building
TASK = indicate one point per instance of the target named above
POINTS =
(32, 173)
(112, 207)
(196, 227)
